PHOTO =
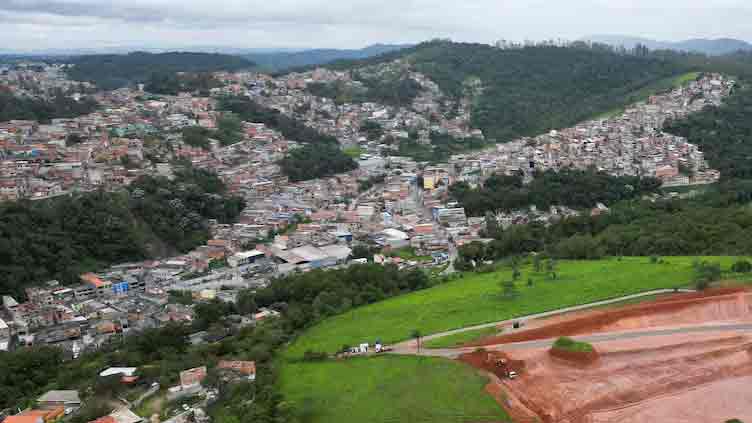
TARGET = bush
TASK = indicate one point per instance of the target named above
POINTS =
(742, 266)
(569, 344)
(315, 356)
(706, 273)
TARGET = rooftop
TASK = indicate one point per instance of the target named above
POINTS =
(68, 397)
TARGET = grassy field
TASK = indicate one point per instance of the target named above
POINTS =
(459, 339)
(477, 298)
(389, 389)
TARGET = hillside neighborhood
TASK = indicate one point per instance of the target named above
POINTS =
(310, 224)
(394, 208)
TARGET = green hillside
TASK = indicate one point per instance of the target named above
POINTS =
(527, 91)
(111, 71)
(61, 238)
(479, 298)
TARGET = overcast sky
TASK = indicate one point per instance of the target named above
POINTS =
(54, 24)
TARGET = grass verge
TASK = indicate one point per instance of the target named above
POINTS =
(462, 338)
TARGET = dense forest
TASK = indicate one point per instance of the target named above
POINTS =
(320, 157)
(59, 106)
(398, 91)
(531, 90)
(63, 237)
(442, 147)
(173, 83)
(316, 161)
(569, 187)
(229, 131)
(112, 71)
(717, 222)
(723, 133)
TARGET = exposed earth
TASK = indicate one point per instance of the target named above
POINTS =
(680, 359)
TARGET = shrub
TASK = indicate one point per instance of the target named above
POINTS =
(742, 266)
(569, 344)
(315, 356)
(706, 273)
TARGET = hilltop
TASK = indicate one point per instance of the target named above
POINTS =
(111, 71)
(711, 47)
(525, 91)
(283, 60)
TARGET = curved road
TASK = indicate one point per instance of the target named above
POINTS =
(409, 347)
(611, 336)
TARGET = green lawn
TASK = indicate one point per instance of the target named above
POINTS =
(353, 152)
(477, 298)
(408, 253)
(462, 338)
(389, 389)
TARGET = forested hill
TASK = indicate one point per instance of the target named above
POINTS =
(60, 106)
(111, 71)
(280, 61)
(63, 237)
(533, 89)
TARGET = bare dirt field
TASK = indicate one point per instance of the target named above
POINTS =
(718, 306)
(677, 378)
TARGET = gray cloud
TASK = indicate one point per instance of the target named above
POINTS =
(41, 24)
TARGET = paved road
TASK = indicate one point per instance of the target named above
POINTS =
(545, 343)
(406, 347)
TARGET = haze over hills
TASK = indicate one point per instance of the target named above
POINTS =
(713, 47)
(281, 60)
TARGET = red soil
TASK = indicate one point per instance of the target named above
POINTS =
(490, 361)
(667, 378)
(574, 357)
(721, 304)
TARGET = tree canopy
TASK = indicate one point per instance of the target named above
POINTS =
(63, 237)
(569, 187)
(112, 71)
(26, 108)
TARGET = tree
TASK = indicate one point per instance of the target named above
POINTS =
(509, 289)
(742, 266)
(516, 271)
(246, 303)
(108, 386)
(416, 335)
(706, 273)
(551, 268)
(537, 263)
(492, 226)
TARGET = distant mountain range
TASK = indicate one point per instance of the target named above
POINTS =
(712, 47)
(267, 59)
(278, 61)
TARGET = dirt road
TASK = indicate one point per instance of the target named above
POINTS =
(409, 347)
